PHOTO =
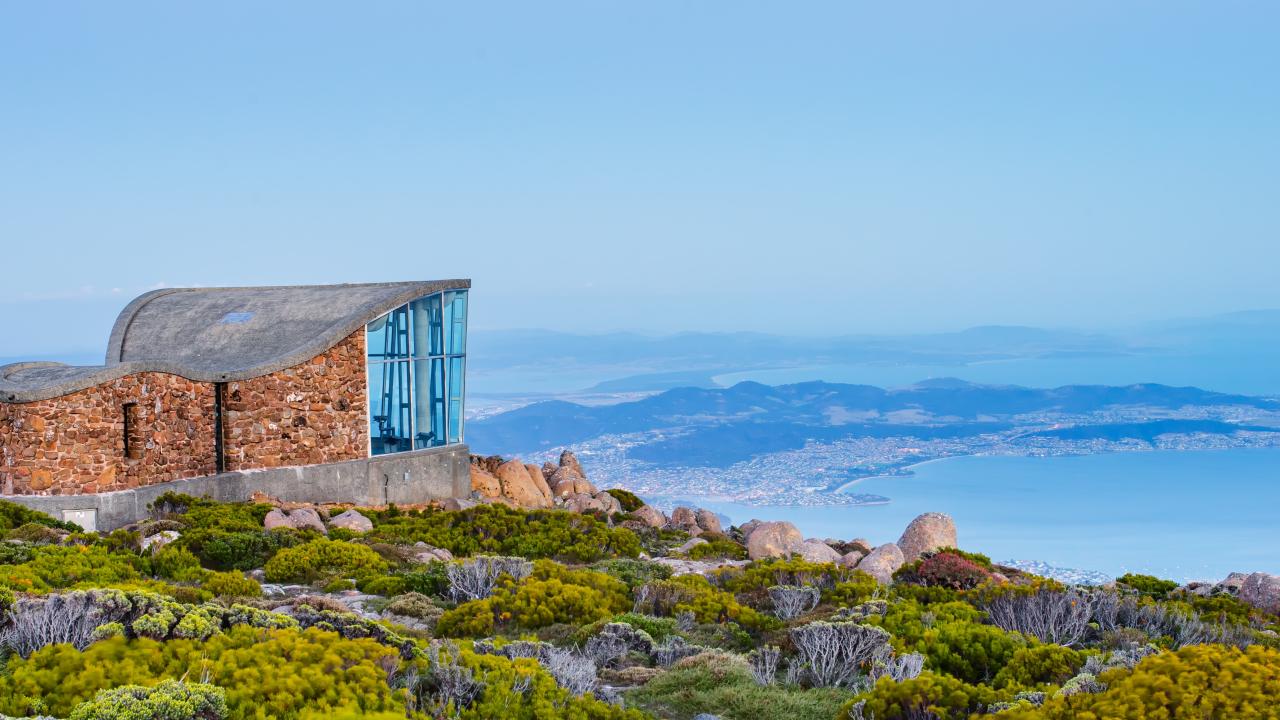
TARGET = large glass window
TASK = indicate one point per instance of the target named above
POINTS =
(417, 368)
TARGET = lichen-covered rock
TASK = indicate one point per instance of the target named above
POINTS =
(748, 527)
(851, 559)
(457, 504)
(276, 519)
(882, 562)
(485, 484)
(774, 539)
(159, 540)
(651, 516)
(304, 518)
(1262, 590)
(610, 503)
(570, 461)
(708, 521)
(424, 553)
(818, 552)
(1231, 584)
(930, 531)
(353, 521)
(683, 518)
(582, 502)
(690, 544)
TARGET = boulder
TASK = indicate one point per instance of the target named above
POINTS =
(610, 503)
(582, 502)
(458, 504)
(159, 540)
(851, 559)
(570, 461)
(651, 516)
(1262, 590)
(748, 527)
(424, 553)
(353, 521)
(861, 544)
(540, 482)
(483, 483)
(818, 552)
(1231, 584)
(276, 519)
(707, 520)
(882, 562)
(683, 518)
(690, 544)
(566, 481)
(930, 531)
(303, 518)
(774, 539)
(519, 488)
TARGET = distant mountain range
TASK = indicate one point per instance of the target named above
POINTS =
(715, 427)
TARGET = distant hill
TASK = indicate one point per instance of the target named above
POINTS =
(752, 418)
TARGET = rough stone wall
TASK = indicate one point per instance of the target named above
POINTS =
(75, 444)
(316, 412)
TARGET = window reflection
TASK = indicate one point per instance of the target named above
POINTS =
(417, 371)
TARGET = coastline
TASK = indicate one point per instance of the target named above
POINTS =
(903, 471)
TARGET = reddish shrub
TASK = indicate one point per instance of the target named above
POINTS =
(952, 571)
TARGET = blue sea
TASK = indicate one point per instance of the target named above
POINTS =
(1180, 515)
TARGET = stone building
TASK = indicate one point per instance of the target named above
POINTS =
(331, 393)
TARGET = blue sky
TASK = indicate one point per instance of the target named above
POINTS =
(788, 167)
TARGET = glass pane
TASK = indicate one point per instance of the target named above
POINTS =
(457, 366)
(389, 408)
(455, 318)
(388, 336)
(428, 397)
(427, 326)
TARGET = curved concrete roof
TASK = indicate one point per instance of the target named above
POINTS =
(221, 334)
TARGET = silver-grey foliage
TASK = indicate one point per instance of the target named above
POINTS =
(614, 641)
(1060, 617)
(791, 601)
(475, 578)
(898, 667)
(71, 617)
(834, 653)
(572, 670)
(675, 648)
(764, 664)
(444, 684)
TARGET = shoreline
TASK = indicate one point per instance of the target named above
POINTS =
(904, 471)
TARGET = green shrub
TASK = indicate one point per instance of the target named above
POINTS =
(385, 585)
(13, 515)
(324, 559)
(430, 579)
(930, 695)
(205, 514)
(177, 563)
(241, 550)
(1148, 585)
(1199, 681)
(721, 547)
(266, 673)
(628, 500)
(721, 684)
(658, 628)
(552, 594)
(232, 584)
(1039, 665)
(695, 594)
(498, 530)
(169, 700)
(763, 574)
(633, 572)
(53, 567)
(972, 652)
(14, 554)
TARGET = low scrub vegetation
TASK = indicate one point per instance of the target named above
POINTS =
(550, 614)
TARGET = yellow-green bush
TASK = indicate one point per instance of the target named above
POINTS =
(551, 594)
(54, 567)
(1038, 665)
(324, 558)
(232, 584)
(1200, 681)
(930, 695)
(166, 701)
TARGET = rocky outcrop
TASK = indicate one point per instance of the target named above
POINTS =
(539, 481)
(818, 552)
(930, 531)
(518, 487)
(1262, 590)
(773, 539)
(707, 521)
(851, 559)
(650, 516)
(582, 502)
(424, 553)
(690, 544)
(684, 519)
(882, 562)
(298, 519)
(608, 502)
(353, 521)
(159, 540)
(483, 483)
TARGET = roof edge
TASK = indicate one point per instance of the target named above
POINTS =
(116, 368)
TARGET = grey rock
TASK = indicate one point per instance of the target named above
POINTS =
(818, 552)
(303, 518)
(930, 531)
(690, 544)
(774, 539)
(707, 520)
(353, 521)
(159, 540)
(850, 559)
(651, 516)
(882, 562)
(1262, 590)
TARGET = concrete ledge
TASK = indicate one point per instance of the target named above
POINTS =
(402, 478)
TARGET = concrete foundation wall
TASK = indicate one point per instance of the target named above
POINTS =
(402, 478)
